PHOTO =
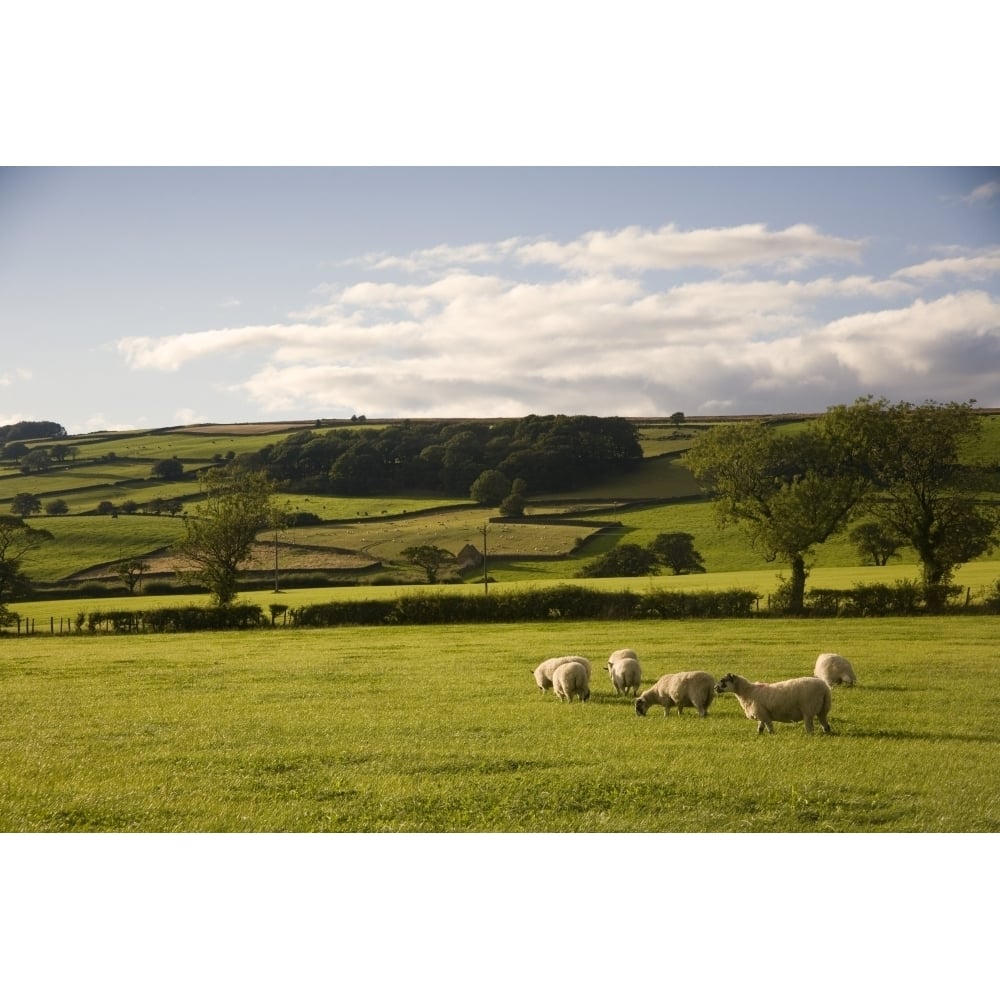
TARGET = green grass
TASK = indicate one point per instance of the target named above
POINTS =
(442, 729)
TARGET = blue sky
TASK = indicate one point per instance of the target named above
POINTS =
(141, 297)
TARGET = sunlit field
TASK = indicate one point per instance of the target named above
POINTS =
(443, 729)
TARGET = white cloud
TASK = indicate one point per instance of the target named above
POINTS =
(668, 248)
(638, 249)
(606, 335)
(980, 265)
(985, 192)
(187, 416)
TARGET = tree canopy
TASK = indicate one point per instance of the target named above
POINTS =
(448, 457)
(220, 534)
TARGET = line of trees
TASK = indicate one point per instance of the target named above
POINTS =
(906, 467)
(448, 457)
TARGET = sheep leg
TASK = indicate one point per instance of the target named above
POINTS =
(764, 722)
(808, 721)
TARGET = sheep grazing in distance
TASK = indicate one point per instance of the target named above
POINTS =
(835, 669)
(688, 689)
(622, 654)
(571, 678)
(626, 675)
(797, 700)
(543, 672)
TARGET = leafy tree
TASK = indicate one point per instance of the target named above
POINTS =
(677, 418)
(430, 558)
(788, 491)
(105, 507)
(926, 490)
(130, 571)
(16, 540)
(37, 460)
(676, 551)
(623, 560)
(875, 544)
(15, 451)
(170, 469)
(56, 507)
(490, 488)
(222, 531)
(25, 504)
(61, 452)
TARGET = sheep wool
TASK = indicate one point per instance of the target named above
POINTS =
(687, 689)
(543, 672)
(626, 675)
(800, 699)
(571, 678)
(622, 654)
(834, 669)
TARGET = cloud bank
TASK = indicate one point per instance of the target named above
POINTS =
(637, 322)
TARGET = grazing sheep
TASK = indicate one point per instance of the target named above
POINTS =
(543, 672)
(834, 669)
(571, 678)
(625, 675)
(796, 700)
(688, 689)
(622, 654)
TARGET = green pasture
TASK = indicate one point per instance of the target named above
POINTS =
(442, 729)
(81, 542)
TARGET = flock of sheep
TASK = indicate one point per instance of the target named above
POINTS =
(800, 699)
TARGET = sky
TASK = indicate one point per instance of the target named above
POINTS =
(147, 297)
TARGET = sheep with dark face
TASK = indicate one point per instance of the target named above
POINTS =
(544, 671)
(834, 669)
(800, 699)
(687, 689)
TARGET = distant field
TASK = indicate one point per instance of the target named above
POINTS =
(379, 528)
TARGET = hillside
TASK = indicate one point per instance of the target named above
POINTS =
(358, 539)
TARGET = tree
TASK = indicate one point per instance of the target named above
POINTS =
(926, 488)
(56, 507)
(16, 540)
(874, 543)
(168, 468)
(221, 533)
(623, 560)
(788, 491)
(25, 504)
(37, 460)
(130, 571)
(676, 551)
(430, 558)
(490, 488)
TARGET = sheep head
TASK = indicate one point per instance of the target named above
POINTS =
(727, 683)
(640, 706)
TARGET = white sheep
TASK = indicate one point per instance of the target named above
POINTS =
(834, 669)
(543, 672)
(797, 700)
(626, 675)
(571, 678)
(622, 654)
(688, 689)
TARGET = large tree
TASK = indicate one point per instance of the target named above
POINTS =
(928, 489)
(789, 489)
(220, 534)
(16, 540)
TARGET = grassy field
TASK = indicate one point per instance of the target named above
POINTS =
(442, 729)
